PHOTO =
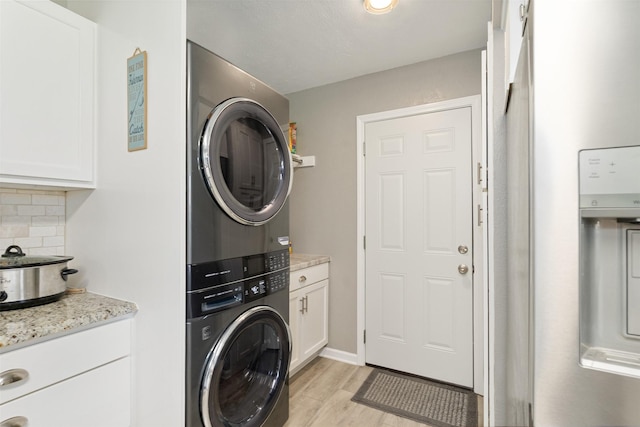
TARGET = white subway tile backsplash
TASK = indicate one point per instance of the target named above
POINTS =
(15, 199)
(44, 221)
(43, 199)
(15, 220)
(53, 241)
(42, 232)
(12, 231)
(27, 243)
(8, 210)
(31, 210)
(33, 220)
(54, 210)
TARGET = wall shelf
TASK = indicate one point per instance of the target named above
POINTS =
(303, 161)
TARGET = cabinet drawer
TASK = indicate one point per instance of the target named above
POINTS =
(60, 358)
(308, 276)
(98, 398)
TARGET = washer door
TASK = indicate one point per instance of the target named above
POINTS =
(246, 161)
(246, 370)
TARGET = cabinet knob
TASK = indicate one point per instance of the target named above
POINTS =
(15, 422)
(12, 376)
(302, 279)
(463, 269)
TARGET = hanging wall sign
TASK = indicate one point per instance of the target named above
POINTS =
(137, 100)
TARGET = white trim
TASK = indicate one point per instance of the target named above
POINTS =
(489, 400)
(339, 355)
(476, 134)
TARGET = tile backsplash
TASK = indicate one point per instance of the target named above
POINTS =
(33, 220)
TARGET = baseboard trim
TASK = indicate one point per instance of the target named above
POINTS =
(339, 355)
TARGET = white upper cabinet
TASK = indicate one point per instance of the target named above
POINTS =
(47, 73)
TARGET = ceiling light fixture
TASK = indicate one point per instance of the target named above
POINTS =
(378, 7)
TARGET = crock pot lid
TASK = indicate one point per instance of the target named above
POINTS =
(13, 259)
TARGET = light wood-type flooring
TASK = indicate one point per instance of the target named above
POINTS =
(320, 396)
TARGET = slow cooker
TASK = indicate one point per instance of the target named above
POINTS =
(26, 281)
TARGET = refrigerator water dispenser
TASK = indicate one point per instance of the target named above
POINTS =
(610, 260)
(633, 283)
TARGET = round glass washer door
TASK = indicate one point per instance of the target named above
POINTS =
(245, 160)
(246, 370)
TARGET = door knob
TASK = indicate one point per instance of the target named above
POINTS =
(463, 269)
(463, 249)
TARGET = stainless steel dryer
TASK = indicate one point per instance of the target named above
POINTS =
(239, 165)
(239, 177)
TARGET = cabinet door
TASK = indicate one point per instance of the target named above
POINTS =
(47, 60)
(314, 329)
(294, 325)
(98, 398)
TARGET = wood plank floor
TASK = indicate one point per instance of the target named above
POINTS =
(320, 396)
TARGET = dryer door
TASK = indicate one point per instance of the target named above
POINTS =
(245, 160)
(246, 370)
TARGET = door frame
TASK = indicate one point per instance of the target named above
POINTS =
(479, 217)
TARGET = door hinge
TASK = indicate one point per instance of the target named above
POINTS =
(364, 148)
(479, 173)
(364, 242)
(479, 216)
(364, 336)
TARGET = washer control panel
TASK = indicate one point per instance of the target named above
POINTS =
(220, 285)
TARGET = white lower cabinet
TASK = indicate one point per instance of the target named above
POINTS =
(78, 380)
(308, 314)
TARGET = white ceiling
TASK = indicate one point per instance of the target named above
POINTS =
(294, 45)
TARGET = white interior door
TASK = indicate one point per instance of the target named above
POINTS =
(418, 228)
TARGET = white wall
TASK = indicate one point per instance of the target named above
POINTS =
(128, 235)
(323, 200)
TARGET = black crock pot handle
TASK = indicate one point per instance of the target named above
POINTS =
(67, 271)
(17, 252)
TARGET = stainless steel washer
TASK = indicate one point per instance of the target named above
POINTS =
(238, 343)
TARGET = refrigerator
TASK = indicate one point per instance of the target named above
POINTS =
(571, 302)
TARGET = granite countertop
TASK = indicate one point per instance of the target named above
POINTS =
(71, 313)
(300, 261)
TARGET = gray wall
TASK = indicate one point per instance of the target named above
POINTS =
(323, 200)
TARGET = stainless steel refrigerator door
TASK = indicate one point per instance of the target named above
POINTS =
(586, 63)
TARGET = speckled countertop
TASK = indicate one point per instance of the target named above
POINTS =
(72, 312)
(300, 261)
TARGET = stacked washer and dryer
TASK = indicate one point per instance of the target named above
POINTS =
(239, 176)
